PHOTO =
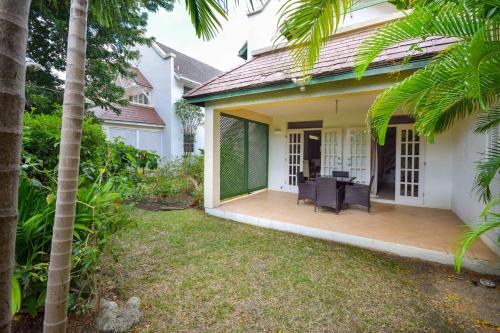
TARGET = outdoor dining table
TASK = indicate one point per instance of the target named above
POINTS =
(341, 183)
(341, 180)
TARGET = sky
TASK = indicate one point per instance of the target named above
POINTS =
(174, 29)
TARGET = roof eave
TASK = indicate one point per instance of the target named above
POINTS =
(334, 77)
(131, 123)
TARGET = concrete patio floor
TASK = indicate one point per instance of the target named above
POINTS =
(425, 233)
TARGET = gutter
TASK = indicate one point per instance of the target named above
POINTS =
(130, 123)
(188, 82)
(314, 82)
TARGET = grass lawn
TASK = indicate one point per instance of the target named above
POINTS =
(197, 273)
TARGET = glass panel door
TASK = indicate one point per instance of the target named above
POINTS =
(409, 166)
(357, 156)
(295, 149)
(331, 151)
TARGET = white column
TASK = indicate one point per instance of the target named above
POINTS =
(212, 158)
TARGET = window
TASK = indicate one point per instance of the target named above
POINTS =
(188, 143)
(140, 99)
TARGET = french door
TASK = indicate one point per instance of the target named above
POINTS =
(295, 147)
(409, 166)
(357, 154)
(331, 150)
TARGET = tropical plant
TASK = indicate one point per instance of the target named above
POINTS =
(191, 118)
(488, 220)
(56, 300)
(305, 25)
(98, 216)
(41, 138)
(13, 38)
(460, 81)
(109, 13)
(175, 181)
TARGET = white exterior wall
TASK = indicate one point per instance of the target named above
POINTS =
(167, 90)
(141, 137)
(469, 147)
(159, 73)
(438, 157)
(262, 25)
(438, 180)
(211, 170)
(466, 151)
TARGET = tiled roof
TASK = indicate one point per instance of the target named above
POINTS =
(140, 79)
(336, 57)
(191, 68)
(132, 113)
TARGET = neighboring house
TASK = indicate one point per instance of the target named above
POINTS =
(149, 122)
(263, 126)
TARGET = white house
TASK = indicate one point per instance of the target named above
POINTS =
(262, 127)
(149, 122)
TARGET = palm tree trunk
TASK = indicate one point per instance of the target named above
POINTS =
(13, 39)
(69, 162)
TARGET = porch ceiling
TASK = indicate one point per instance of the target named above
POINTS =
(311, 105)
(425, 228)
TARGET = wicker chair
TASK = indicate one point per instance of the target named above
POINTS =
(307, 189)
(327, 194)
(359, 194)
(343, 174)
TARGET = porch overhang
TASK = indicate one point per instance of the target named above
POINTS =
(315, 81)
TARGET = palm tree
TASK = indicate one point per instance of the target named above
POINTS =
(205, 18)
(13, 39)
(461, 81)
(69, 163)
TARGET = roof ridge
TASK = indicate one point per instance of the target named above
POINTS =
(283, 47)
(218, 76)
(187, 56)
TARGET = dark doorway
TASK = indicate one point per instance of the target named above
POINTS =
(312, 153)
(387, 166)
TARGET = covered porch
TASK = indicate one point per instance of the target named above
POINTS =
(425, 233)
(255, 148)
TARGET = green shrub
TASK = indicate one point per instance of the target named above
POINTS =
(182, 177)
(42, 135)
(109, 171)
(98, 156)
(98, 215)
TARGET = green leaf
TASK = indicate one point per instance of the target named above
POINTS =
(131, 158)
(306, 25)
(491, 221)
(205, 17)
(31, 305)
(16, 296)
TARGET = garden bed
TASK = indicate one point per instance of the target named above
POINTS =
(155, 204)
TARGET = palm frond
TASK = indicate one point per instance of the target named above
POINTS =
(205, 17)
(440, 18)
(491, 222)
(454, 85)
(306, 25)
(487, 171)
(404, 96)
(489, 119)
